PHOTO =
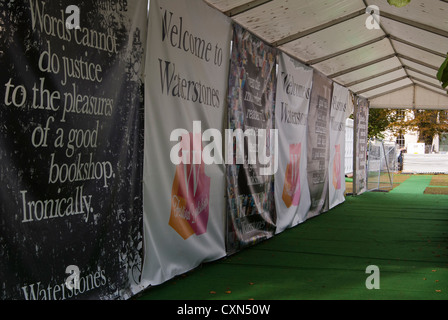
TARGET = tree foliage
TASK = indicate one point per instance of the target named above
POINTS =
(442, 74)
(399, 3)
(427, 123)
(379, 121)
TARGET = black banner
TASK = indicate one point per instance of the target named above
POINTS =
(251, 209)
(318, 143)
(362, 128)
(70, 148)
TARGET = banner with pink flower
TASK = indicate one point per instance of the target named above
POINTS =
(292, 195)
(187, 65)
(338, 115)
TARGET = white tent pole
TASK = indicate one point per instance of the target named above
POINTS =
(355, 142)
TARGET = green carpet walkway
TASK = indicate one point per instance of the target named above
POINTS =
(415, 185)
(403, 233)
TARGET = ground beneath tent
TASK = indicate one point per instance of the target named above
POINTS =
(403, 232)
(438, 185)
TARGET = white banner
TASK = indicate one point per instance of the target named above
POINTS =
(186, 86)
(337, 145)
(292, 194)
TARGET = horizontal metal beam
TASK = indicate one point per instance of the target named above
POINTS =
(320, 27)
(245, 7)
(418, 61)
(428, 83)
(342, 72)
(391, 91)
(443, 55)
(421, 72)
(382, 84)
(351, 84)
(333, 55)
(413, 23)
(429, 89)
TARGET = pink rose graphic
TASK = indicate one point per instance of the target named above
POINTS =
(337, 168)
(291, 188)
(190, 193)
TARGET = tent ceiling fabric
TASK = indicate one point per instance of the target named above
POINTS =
(394, 66)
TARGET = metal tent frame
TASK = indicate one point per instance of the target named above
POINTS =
(387, 55)
(393, 65)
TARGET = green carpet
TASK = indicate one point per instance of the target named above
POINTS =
(415, 185)
(405, 234)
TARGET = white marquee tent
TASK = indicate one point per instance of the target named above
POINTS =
(393, 65)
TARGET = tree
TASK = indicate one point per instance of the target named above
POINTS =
(442, 74)
(399, 3)
(379, 121)
(427, 123)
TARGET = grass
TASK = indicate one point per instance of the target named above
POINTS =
(436, 190)
(397, 180)
(438, 185)
(439, 180)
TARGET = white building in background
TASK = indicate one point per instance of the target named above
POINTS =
(409, 140)
(418, 158)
